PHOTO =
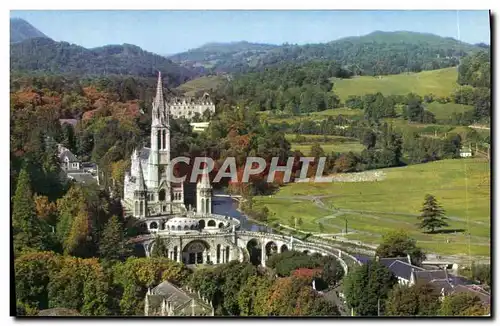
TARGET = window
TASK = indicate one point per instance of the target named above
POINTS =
(162, 195)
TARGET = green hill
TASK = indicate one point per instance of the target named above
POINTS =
(47, 56)
(439, 82)
(373, 54)
(21, 30)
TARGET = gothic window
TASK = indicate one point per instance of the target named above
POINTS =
(141, 208)
(202, 205)
(207, 203)
(227, 253)
(164, 138)
(186, 227)
(179, 228)
(162, 195)
(136, 210)
(158, 138)
(218, 253)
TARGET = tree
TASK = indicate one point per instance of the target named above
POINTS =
(399, 244)
(332, 271)
(27, 228)
(433, 216)
(316, 151)
(366, 287)
(112, 245)
(45, 209)
(462, 304)
(369, 139)
(416, 300)
(159, 249)
(299, 221)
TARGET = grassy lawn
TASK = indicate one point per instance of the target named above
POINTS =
(352, 146)
(313, 116)
(444, 111)
(374, 208)
(328, 143)
(204, 83)
(440, 82)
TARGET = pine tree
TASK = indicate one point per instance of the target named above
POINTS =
(433, 215)
(112, 245)
(27, 229)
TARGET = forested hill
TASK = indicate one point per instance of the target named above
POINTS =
(226, 57)
(47, 56)
(21, 30)
(377, 53)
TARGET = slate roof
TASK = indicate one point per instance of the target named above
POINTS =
(144, 153)
(181, 300)
(82, 177)
(400, 268)
(69, 155)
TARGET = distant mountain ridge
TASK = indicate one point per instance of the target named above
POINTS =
(48, 56)
(373, 53)
(21, 30)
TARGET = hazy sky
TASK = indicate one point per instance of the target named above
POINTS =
(168, 32)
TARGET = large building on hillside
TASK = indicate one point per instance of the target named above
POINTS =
(187, 107)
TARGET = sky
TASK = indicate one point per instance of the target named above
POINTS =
(169, 32)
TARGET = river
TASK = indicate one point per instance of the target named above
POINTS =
(228, 206)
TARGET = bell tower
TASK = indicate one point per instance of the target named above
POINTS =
(204, 196)
(160, 136)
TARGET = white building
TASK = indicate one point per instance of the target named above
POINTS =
(188, 107)
(466, 152)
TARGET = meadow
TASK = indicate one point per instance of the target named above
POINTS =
(204, 83)
(372, 209)
(439, 82)
(329, 144)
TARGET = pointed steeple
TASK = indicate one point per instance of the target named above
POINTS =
(159, 112)
(204, 181)
(142, 184)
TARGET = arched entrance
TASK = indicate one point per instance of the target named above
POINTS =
(271, 248)
(162, 195)
(193, 252)
(254, 251)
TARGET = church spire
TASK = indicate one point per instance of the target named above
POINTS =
(159, 112)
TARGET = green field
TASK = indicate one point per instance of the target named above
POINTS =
(374, 208)
(313, 116)
(204, 83)
(444, 111)
(440, 82)
(329, 144)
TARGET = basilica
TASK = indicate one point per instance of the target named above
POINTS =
(159, 204)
